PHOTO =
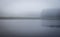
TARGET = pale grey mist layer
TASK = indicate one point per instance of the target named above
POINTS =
(26, 8)
(29, 27)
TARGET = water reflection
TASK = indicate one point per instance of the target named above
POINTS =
(28, 27)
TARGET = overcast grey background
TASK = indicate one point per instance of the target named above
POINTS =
(28, 27)
(26, 8)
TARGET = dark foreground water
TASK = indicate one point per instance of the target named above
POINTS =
(29, 27)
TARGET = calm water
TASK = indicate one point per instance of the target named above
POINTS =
(28, 27)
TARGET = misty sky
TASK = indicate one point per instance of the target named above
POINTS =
(26, 8)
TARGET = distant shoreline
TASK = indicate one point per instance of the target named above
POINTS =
(42, 18)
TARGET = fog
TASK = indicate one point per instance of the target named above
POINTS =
(49, 26)
(26, 8)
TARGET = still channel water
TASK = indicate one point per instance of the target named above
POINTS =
(28, 27)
